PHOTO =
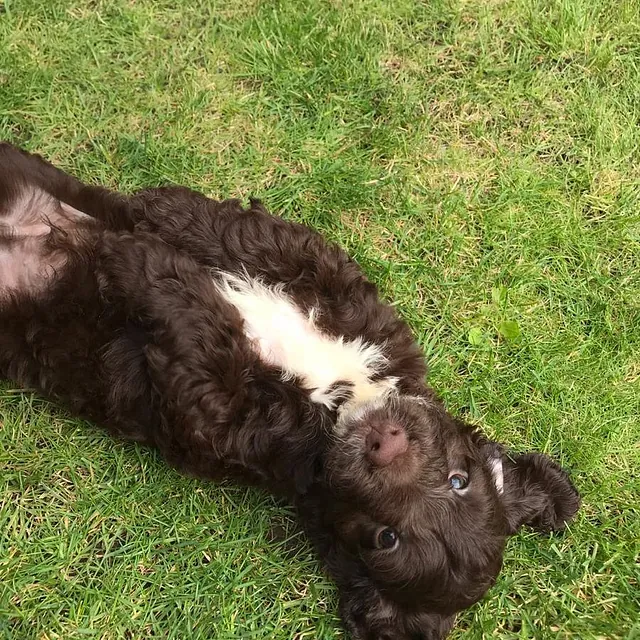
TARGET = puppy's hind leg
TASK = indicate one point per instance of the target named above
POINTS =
(164, 209)
(113, 209)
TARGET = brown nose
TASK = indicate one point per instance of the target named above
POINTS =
(385, 442)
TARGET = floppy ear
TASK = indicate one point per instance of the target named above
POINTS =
(537, 492)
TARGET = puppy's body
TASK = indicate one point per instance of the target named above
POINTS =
(238, 343)
(269, 333)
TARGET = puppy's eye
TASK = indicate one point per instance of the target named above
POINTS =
(387, 538)
(458, 481)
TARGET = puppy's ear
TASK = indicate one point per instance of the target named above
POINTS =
(537, 492)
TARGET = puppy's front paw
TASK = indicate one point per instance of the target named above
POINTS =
(122, 267)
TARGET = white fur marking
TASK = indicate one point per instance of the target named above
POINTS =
(497, 473)
(287, 338)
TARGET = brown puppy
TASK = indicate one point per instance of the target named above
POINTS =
(240, 344)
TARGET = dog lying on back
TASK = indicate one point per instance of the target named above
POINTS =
(242, 345)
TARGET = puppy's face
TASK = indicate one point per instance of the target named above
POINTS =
(421, 502)
(425, 504)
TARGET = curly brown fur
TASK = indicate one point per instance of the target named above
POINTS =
(124, 316)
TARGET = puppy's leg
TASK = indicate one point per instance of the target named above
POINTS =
(113, 209)
(197, 357)
(166, 208)
(39, 233)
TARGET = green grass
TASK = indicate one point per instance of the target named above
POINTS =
(479, 158)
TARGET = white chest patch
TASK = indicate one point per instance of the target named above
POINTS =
(287, 338)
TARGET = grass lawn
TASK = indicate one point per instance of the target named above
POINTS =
(478, 157)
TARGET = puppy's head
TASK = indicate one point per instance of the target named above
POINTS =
(424, 503)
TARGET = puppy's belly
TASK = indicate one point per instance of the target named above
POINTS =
(36, 233)
(289, 339)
